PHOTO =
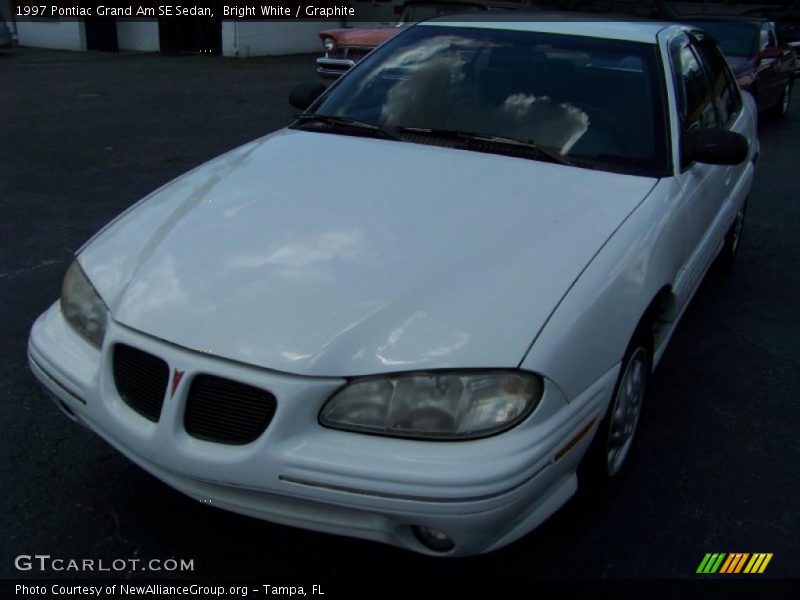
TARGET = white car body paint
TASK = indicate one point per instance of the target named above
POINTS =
(245, 270)
(285, 241)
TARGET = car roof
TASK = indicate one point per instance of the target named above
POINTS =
(624, 27)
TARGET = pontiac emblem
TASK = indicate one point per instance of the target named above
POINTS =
(176, 380)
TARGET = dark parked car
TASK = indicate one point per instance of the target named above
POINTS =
(787, 20)
(762, 66)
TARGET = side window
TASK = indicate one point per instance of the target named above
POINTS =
(724, 91)
(694, 93)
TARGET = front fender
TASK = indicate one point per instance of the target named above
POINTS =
(590, 329)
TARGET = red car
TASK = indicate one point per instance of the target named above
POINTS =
(762, 65)
(345, 47)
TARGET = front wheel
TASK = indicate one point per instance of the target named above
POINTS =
(733, 238)
(626, 409)
(612, 443)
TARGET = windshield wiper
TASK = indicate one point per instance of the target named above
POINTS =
(529, 146)
(335, 120)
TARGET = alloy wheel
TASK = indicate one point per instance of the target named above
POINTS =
(627, 410)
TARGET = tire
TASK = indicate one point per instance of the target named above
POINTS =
(781, 109)
(733, 238)
(610, 448)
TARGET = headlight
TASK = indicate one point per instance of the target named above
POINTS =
(435, 405)
(82, 306)
(328, 44)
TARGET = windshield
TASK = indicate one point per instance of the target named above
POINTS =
(734, 39)
(594, 102)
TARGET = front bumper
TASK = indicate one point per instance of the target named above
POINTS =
(483, 493)
(339, 61)
(331, 68)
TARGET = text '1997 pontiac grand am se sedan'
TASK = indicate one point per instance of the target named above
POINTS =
(430, 308)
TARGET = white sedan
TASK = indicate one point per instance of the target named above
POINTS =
(428, 310)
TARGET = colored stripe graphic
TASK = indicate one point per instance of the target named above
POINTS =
(718, 562)
(735, 562)
(758, 563)
(703, 563)
(711, 562)
(740, 564)
(722, 563)
(765, 563)
(727, 564)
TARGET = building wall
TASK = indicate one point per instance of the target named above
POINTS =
(253, 38)
(63, 34)
(141, 36)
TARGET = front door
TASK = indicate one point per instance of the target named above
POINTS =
(704, 185)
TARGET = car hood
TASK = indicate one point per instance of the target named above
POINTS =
(361, 37)
(329, 255)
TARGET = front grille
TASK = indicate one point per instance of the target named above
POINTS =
(354, 53)
(357, 54)
(225, 411)
(141, 380)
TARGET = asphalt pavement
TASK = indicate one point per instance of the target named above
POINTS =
(716, 466)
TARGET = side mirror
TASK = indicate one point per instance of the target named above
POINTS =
(715, 147)
(304, 94)
(770, 52)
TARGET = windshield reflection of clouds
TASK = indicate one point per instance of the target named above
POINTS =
(426, 91)
(417, 101)
(539, 119)
(590, 99)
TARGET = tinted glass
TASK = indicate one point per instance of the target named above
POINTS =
(697, 108)
(734, 39)
(724, 91)
(590, 99)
